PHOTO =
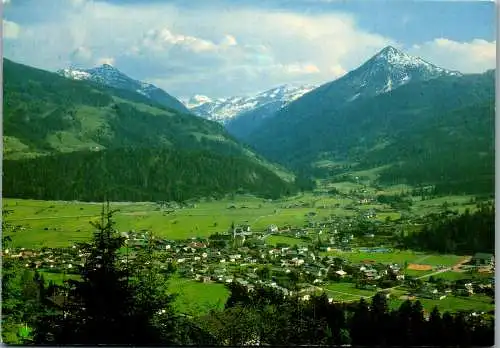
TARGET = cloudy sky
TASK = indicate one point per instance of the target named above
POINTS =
(224, 48)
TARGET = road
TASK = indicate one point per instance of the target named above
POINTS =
(455, 267)
(54, 217)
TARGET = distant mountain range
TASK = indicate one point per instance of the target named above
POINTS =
(396, 113)
(224, 110)
(384, 72)
(110, 76)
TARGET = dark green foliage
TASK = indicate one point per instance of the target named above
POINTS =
(266, 317)
(441, 131)
(467, 233)
(141, 174)
(454, 151)
(112, 304)
(51, 114)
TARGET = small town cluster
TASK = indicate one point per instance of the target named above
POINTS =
(243, 257)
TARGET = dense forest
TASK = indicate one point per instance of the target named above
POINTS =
(457, 160)
(464, 234)
(45, 113)
(351, 130)
(129, 303)
(139, 174)
(422, 129)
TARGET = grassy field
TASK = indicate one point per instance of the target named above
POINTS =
(196, 298)
(428, 206)
(399, 257)
(58, 278)
(273, 240)
(206, 296)
(346, 292)
(59, 224)
(452, 303)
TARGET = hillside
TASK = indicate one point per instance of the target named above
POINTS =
(46, 114)
(326, 124)
(454, 151)
(140, 174)
(108, 75)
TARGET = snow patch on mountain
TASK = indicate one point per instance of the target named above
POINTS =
(389, 69)
(224, 109)
(110, 76)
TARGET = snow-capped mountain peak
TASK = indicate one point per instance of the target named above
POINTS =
(74, 74)
(225, 109)
(109, 75)
(389, 69)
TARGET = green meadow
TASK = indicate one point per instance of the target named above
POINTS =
(398, 257)
(452, 303)
(196, 298)
(59, 224)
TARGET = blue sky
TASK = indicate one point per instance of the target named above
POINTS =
(222, 48)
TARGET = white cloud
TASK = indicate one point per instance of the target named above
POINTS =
(298, 68)
(337, 70)
(468, 57)
(164, 39)
(106, 60)
(10, 30)
(6, 1)
(229, 40)
(190, 51)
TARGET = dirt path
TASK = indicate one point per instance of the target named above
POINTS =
(54, 217)
(466, 259)
(434, 273)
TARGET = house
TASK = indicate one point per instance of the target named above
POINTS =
(483, 259)
(341, 273)
(272, 229)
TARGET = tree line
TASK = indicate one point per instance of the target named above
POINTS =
(457, 234)
(139, 174)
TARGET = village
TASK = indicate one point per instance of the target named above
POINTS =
(316, 263)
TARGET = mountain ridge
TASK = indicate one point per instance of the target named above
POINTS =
(59, 132)
(328, 124)
(224, 110)
(110, 76)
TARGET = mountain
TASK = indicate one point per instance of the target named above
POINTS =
(344, 121)
(52, 123)
(110, 76)
(224, 110)
(386, 71)
(455, 151)
(196, 101)
(139, 174)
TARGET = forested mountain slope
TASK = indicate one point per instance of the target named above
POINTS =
(421, 123)
(55, 125)
(139, 174)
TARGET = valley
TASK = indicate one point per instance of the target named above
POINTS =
(315, 228)
(363, 202)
